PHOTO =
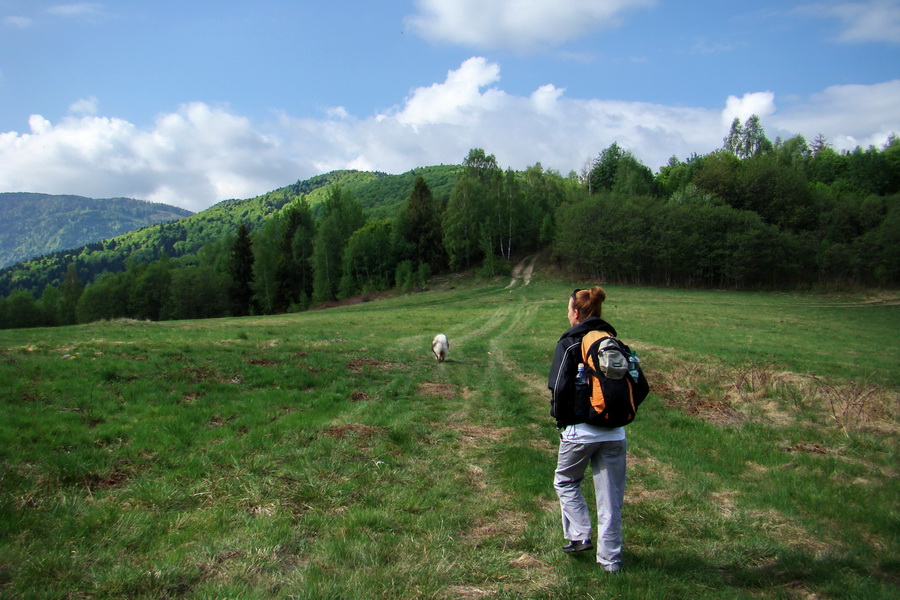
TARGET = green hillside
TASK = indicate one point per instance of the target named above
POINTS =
(379, 193)
(790, 216)
(37, 224)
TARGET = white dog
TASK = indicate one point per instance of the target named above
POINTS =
(440, 346)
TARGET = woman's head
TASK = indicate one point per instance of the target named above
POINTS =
(585, 303)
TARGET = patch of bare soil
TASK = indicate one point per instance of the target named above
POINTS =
(358, 364)
(217, 421)
(353, 430)
(358, 396)
(263, 362)
(803, 447)
(111, 480)
(201, 373)
(437, 390)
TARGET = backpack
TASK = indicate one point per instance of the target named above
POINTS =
(616, 385)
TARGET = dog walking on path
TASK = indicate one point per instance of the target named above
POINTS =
(441, 347)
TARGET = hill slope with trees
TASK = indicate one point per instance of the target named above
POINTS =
(36, 224)
(753, 214)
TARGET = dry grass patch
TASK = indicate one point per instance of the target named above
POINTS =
(724, 500)
(688, 399)
(537, 440)
(536, 576)
(729, 395)
(477, 477)
(527, 561)
(779, 396)
(636, 489)
(437, 390)
(477, 436)
(507, 526)
(681, 384)
(856, 405)
(466, 592)
(788, 532)
(354, 430)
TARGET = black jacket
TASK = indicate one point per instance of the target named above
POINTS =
(565, 367)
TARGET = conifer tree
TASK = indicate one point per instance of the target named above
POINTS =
(606, 166)
(420, 227)
(240, 267)
(70, 291)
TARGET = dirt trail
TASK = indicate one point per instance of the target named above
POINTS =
(523, 271)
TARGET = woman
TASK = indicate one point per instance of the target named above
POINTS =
(581, 444)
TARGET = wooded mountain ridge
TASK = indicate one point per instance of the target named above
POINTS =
(185, 233)
(751, 215)
(33, 224)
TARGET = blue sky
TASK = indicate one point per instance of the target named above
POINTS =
(190, 103)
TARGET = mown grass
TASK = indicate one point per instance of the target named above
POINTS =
(327, 455)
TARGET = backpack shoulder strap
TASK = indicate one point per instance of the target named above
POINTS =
(589, 339)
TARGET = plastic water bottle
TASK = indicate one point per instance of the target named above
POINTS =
(582, 385)
(633, 361)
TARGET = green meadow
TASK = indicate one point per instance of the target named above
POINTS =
(327, 455)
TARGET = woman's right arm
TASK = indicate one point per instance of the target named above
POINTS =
(561, 381)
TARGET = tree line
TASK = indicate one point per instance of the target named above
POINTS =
(753, 214)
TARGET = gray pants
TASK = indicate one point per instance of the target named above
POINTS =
(607, 461)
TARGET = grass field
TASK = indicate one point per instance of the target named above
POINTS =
(327, 455)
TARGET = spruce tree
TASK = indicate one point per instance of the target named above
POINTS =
(241, 269)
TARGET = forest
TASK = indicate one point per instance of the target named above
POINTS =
(754, 214)
(35, 224)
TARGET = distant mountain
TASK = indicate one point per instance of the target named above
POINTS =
(33, 225)
(380, 194)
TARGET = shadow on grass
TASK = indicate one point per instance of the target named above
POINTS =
(788, 575)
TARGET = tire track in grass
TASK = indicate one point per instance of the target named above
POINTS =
(534, 385)
(510, 523)
(464, 382)
(468, 323)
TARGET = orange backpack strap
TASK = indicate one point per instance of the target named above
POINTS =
(589, 339)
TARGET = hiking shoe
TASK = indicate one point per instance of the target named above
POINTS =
(578, 546)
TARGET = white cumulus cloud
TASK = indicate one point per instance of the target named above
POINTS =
(761, 104)
(848, 115)
(191, 158)
(201, 154)
(515, 24)
(455, 101)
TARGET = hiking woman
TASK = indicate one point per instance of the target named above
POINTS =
(581, 444)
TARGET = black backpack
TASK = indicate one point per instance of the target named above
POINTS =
(615, 384)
